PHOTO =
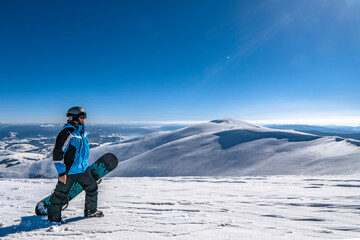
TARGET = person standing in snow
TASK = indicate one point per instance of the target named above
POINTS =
(70, 157)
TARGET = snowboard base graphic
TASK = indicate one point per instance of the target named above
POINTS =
(99, 169)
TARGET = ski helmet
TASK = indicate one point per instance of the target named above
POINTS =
(75, 113)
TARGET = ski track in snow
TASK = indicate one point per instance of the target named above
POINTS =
(276, 207)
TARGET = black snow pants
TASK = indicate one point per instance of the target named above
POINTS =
(59, 197)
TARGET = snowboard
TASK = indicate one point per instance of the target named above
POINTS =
(99, 169)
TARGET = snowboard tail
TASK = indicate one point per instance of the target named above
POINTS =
(99, 169)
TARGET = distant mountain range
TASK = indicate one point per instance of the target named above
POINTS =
(225, 147)
(32, 142)
(341, 131)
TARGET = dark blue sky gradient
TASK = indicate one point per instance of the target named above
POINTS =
(179, 60)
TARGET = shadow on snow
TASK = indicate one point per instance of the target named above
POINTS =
(231, 138)
(31, 223)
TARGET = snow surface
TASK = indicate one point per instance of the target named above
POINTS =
(275, 207)
(215, 180)
(224, 147)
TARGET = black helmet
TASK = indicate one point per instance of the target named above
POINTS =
(75, 113)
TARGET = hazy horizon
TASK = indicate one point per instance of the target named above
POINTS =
(318, 122)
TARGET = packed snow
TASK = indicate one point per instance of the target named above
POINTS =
(268, 207)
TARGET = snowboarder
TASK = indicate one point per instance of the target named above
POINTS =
(70, 157)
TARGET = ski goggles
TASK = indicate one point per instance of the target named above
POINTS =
(82, 115)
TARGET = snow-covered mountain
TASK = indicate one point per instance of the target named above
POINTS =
(21, 143)
(225, 147)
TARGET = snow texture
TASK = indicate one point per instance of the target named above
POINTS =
(275, 207)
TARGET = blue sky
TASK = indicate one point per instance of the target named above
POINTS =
(264, 61)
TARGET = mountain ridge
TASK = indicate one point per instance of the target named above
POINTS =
(225, 147)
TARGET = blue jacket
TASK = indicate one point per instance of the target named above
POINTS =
(71, 150)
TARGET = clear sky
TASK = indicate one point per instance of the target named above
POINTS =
(267, 61)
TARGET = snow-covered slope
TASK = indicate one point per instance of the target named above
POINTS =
(188, 208)
(221, 147)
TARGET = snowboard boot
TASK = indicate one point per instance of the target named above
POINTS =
(56, 220)
(95, 213)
